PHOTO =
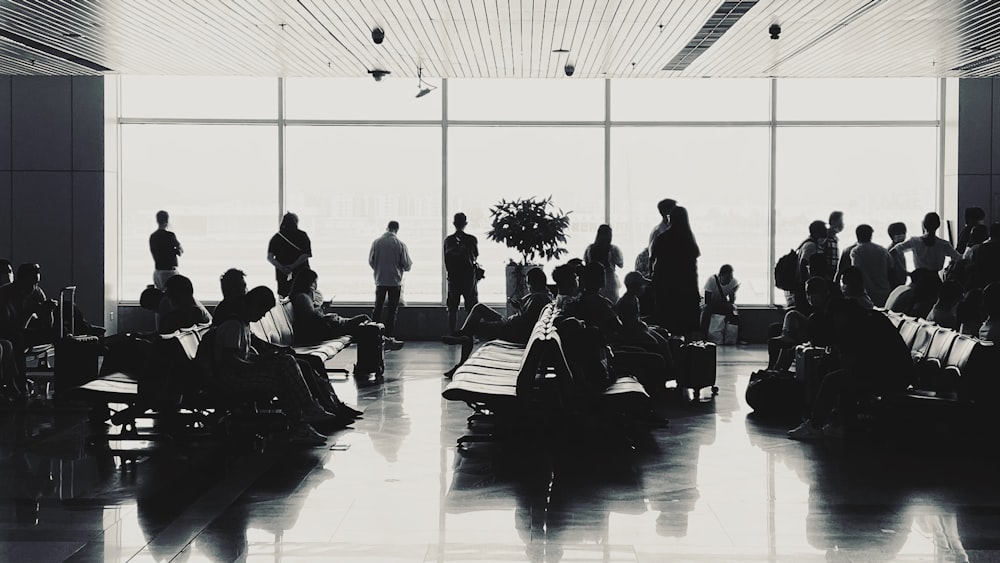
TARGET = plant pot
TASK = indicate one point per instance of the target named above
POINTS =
(517, 287)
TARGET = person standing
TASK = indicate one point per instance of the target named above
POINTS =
(165, 248)
(289, 251)
(675, 276)
(460, 253)
(389, 260)
(875, 264)
(608, 255)
(830, 244)
(665, 207)
(929, 251)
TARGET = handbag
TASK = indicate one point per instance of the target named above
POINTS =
(480, 272)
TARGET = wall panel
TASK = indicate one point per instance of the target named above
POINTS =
(42, 123)
(42, 215)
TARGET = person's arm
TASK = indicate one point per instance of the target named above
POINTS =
(404, 257)
(616, 257)
(178, 249)
(277, 265)
(474, 250)
(586, 254)
(950, 251)
(371, 255)
(302, 259)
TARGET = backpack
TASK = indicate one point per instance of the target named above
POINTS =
(786, 271)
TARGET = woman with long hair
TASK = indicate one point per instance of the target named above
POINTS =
(608, 255)
(674, 254)
(288, 251)
(929, 251)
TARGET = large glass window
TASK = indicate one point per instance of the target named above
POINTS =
(691, 99)
(850, 99)
(875, 175)
(220, 185)
(487, 164)
(727, 203)
(199, 97)
(523, 99)
(347, 183)
(359, 99)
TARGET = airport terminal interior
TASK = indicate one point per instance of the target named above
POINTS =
(757, 116)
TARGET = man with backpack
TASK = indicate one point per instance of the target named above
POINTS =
(792, 269)
(460, 253)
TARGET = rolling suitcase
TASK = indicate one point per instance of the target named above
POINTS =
(371, 352)
(698, 371)
(811, 364)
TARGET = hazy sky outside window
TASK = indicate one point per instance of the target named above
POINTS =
(852, 99)
(526, 99)
(347, 183)
(358, 99)
(220, 185)
(199, 97)
(691, 99)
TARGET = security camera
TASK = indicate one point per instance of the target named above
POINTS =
(378, 74)
(774, 30)
(569, 69)
(378, 35)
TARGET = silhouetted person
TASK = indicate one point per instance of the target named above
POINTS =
(675, 276)
(289, 251)
(945, 310)
(830, 242)
(233, 284)
(918, 297)
(973, 216)
(897, 272)
(389, 260)
(165, 248)
(460, 253)
(796, 298)
(607, 255)
(929, 251)
(312, 324)
(180, 309)
(991, 303)
(25, 313)
(665, 207)
(986, 260)
(874, 263)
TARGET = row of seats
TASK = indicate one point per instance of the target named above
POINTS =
(506, 382)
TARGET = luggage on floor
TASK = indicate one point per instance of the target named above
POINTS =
(698, 366)
(775, 393)
(811, 364)
(371, 351)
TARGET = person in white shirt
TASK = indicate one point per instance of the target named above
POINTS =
(389, 259)
(929, 251)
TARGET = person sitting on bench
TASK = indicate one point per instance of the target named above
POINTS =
(486, 324)
(240, 368)
(312, 323)
(179, 308)
(26, 313)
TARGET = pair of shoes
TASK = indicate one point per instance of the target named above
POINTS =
(318, 415)
(348, 412)
(303, 435)
(805, 431)
(391, 344)
(451, 372)
(456, 339)
(831, 430)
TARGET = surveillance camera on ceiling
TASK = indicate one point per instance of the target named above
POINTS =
(378, 74)
(774, 31)
(378, 35)
(569, 69)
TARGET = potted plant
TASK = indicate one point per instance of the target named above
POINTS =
(535, 228)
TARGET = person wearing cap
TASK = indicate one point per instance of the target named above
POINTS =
(460, 253)
(165, 248)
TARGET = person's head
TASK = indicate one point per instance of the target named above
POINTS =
(28, 275)
(392, 227)
(635, 282)
(931, 223)
(257, 303)
(289, 222)
(6, 272)
(726, 274)
(978, 234)
(817, 230)
(897, 231)
(974, 215)
(162, 219)
(991, 300)
(305, 281)
(950, 294)
(864, 233)
(603, 235)
(666, 207)
(592, 277)
(852, 279)
(460, 221)
(150, 298)
(233, 283)
(679, 219)
(179, 290)
(565, 279)
(819, 266)
(817, 291)
(836, 221)
(536, 278)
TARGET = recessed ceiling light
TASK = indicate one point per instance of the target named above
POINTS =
(72, 35)
(560, 50)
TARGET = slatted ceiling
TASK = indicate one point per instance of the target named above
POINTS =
(496, 38)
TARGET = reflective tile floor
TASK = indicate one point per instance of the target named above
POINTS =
(715, 485)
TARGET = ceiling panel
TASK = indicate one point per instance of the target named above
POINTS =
(498, 39)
